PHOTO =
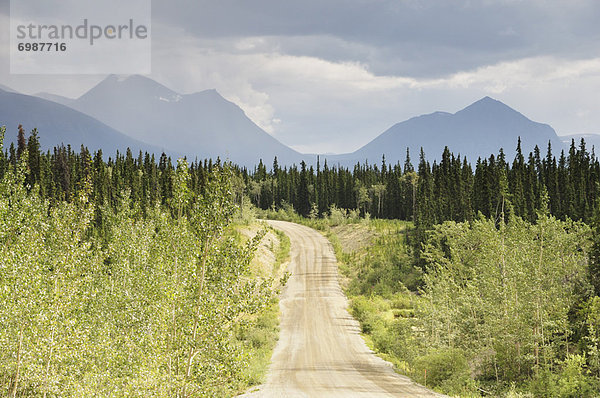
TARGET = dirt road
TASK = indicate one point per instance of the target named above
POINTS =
(320, 352)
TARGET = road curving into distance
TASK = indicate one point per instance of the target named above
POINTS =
(320, 352)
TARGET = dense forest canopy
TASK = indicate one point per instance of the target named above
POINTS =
(428, 194)
(452, 189)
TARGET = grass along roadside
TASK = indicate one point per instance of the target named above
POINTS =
(260, 333)
(374, 277)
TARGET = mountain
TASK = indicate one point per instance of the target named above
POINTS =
(478, 130)
(58, 124)
(591, 141)
(199, 125)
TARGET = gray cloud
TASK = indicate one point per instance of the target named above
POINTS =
(418, 38)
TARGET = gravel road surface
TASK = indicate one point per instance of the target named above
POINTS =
(320, 352)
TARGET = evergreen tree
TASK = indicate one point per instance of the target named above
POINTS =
(303, 204)
(34, 158)
(21, 141)
(408, 167)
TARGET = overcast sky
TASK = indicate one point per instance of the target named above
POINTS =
(330, 75)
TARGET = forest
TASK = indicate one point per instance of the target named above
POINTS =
(494, 271)
(451, 189)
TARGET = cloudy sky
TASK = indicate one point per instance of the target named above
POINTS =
(330, 75)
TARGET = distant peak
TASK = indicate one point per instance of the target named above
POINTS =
(487, 100)
(491, 110)
(487, 104)
(131, 85)
(139, 86)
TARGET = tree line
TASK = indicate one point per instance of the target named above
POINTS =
(451, 189)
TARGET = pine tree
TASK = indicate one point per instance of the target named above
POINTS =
(425, 216)
(517, 182)
(408, 167)
(33, 149)
(303, 204)
(21, 142)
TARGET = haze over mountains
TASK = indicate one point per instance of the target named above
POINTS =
(140, 113)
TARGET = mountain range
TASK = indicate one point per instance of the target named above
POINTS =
(140, 113)
(58, 124)
(203, 124)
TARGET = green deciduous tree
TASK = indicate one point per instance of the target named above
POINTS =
(503, 295)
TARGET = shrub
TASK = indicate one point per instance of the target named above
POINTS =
(393, 338)
(337, 216)
(364, 312)
(573, 381)
(401, 302)
(445, 369)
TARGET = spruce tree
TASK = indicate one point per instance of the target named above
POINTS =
(21, 142)
(303, 202)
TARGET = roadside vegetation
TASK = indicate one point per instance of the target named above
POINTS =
(259, 333)
(483, 280)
